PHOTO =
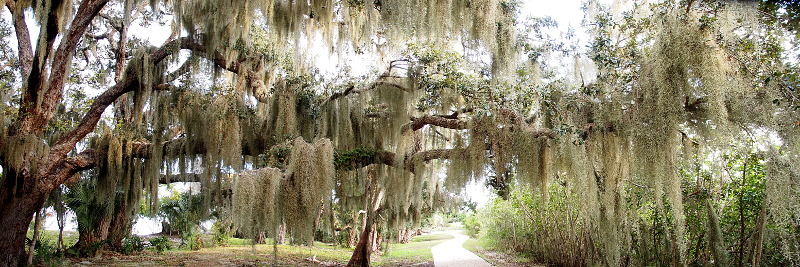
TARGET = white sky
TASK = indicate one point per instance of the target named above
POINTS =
(566, 12)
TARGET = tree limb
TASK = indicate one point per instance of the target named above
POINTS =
(353, 90)
(24, 48)
(456, 124)
(67, 142)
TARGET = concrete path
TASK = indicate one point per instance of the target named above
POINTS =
(452, 254)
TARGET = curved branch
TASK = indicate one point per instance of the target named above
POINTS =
(70, 166)
(67, 142)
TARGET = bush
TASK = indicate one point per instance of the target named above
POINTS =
(194, 241)
(472, 225)
(132, 244)
(160, 244)
(47, 254)
(221, 232)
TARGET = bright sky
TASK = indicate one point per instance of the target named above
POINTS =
(565, 12)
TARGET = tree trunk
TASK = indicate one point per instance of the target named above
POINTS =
(361, 255)
(374, 197)
(18, 204)
(758, 241)
(405, 235)
(715, 236)
(89, 240)
(280, 237)
(260, 238)
(37, 225)
(15, 217)
(166, 228)
(316, 222)
(120, 225)
(61, 221)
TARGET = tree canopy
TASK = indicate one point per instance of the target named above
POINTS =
(463, 91)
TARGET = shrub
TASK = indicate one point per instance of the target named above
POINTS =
(132, 244)
(160, 244)
(47, 254)
(472, 225)
(221, 232)
(194, 241)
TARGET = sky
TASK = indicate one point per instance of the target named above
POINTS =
(565, 12)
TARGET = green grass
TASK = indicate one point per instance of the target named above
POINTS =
(472, 245)
(238, 242)
(478, 247)
(240, 251)
(418, 250)
(51, 236)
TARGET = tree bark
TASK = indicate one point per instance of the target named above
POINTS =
(91, 236)
(363, 251)
(16, 212)
(260, 238)
(120, 225)
(37, 225)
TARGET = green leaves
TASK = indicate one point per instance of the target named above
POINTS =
(350, 160)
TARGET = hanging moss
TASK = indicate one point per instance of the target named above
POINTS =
(22, 151)
(308, 185)
(254, 201)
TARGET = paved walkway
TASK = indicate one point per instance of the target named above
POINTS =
(452, 254)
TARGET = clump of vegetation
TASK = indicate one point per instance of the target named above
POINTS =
(160, 244)
(133, 244)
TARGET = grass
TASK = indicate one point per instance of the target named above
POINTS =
(418, 250)
(51, 236)
(240, 252)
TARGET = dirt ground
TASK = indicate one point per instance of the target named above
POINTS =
(226, 256)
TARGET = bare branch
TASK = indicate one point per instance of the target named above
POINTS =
(115, 23)
(370, 87)
(183, 69)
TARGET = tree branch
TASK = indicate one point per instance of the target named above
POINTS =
(353, 90)
(456, 124)
(179, 178)
(67, 142)
(25, 50)
(61, 59)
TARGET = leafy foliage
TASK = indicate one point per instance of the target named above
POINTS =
(160, 244)
(349, 160)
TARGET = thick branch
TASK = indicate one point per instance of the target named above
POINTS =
(456, 124)
(25, 50)
(67, 141)
(68, 167)
(87, 10)
(179, 178)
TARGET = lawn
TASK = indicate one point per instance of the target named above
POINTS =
(416, 251)
(238, 252)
